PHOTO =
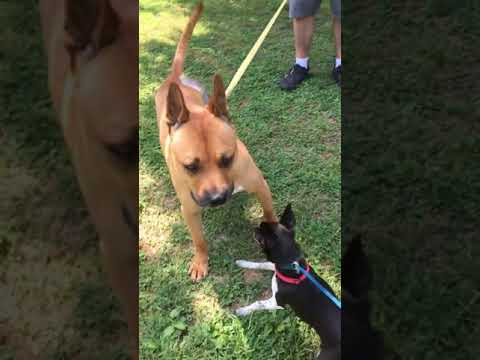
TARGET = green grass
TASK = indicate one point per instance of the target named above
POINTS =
(295, 140)
(55, 302)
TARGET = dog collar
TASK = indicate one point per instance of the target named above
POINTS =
(290, 280)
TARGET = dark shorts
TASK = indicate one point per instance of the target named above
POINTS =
(302, 8)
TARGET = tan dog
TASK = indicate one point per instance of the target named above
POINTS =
(92, 50)
(206, 160)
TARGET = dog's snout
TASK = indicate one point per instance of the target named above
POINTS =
(213, 198)
(219, 198)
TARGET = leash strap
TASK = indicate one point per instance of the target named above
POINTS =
(253, 51)
(327, 293)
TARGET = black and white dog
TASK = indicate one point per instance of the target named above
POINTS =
(306, 300)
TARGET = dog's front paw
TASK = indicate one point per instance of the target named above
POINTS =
(198, 268)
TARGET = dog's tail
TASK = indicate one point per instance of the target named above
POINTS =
(178, 60)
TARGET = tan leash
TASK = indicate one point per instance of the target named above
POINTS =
(253, 51)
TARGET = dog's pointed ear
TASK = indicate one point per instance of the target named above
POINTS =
(217, 104)
(177, 112)
(288, 218)
(90, 25)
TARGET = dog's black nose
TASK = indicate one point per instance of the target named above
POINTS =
(219, 199)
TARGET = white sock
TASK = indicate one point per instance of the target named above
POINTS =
(338, 62)
(303, 62)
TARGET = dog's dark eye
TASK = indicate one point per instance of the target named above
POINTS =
(225, 161)
(126, 151)
(193, 168)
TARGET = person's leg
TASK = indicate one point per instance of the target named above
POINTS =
(303, 34)
(302, 12)
(337, 33)
(336, 8)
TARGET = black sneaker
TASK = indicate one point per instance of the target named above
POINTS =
(337, 74)
(294, 77)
